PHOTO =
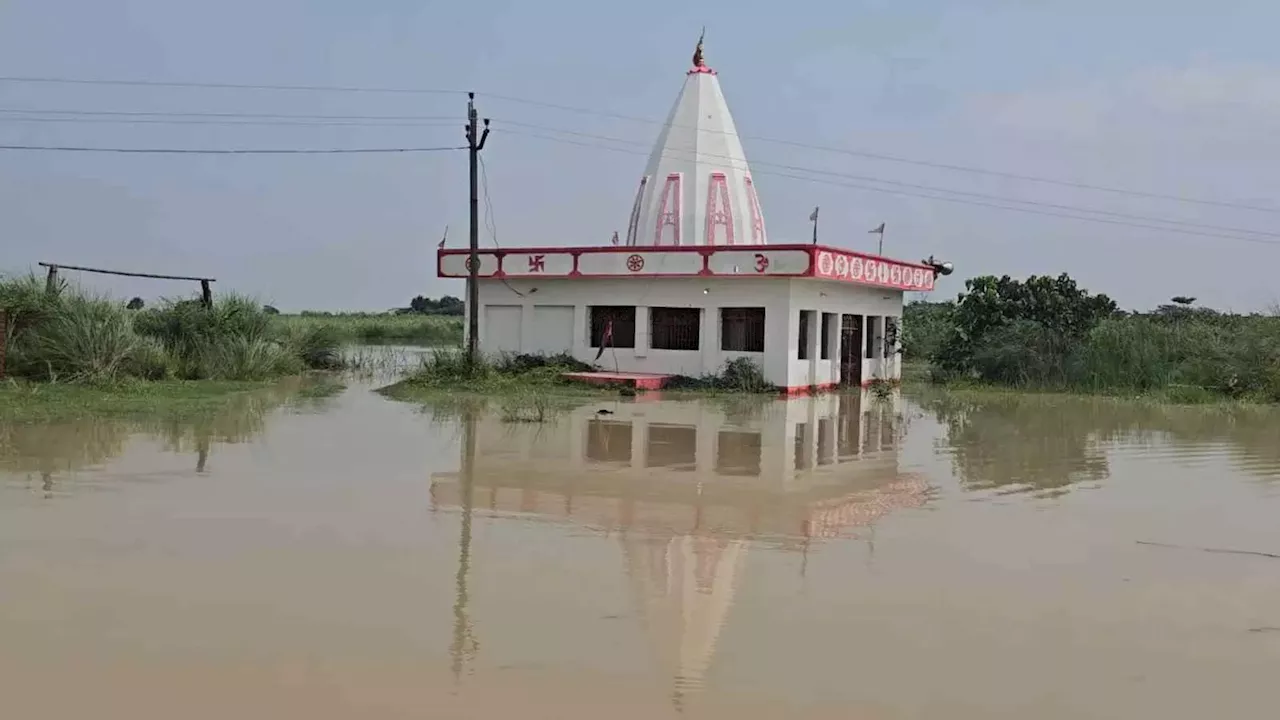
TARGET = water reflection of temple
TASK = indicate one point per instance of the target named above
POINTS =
(792, 470)
(686, 486)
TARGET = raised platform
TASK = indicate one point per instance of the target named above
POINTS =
(639, 381)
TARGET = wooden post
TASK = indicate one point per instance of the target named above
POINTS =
(51, 280)
(206, 295)
(4, 338)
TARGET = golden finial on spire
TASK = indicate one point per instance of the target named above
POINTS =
(697, 52)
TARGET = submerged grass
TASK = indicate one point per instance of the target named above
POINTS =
(446, 370)
(524, 388)
(23, 401)
(532, 388)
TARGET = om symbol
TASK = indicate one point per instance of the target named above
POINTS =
(635, 263)
(762, 262)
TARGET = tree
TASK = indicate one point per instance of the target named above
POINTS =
(135, 304)
(1007, 330)
(450, 305)
(1182, 299)
(270, 310)
(446, 305)
(924, 328)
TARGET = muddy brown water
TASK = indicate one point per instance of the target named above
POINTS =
(926, 557)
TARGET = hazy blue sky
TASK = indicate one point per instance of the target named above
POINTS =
(1169, 96)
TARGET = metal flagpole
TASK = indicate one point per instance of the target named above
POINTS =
(879, 231)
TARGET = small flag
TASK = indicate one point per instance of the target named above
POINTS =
(813, 217)
(605, 338)
(444, 239)
(615, 237)
(877, 231)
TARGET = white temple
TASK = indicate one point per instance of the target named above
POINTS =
(696, 283)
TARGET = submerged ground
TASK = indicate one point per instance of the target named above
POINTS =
(958, 556)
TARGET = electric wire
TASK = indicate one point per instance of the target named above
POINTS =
(917, 186)
(380, 121)
(919, 190)
(954, 167)
(943, 198)
(489, 222)
(227, 151)
(289, 116)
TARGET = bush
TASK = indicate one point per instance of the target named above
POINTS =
(72, 336)
(241, 357)
(924, 328)
(738, 375)
(87, 339)
(317, 346)
(1049, 334)
(447, 368)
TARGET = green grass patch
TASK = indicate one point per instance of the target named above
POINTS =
(447, 371)
(532, 388)
(373, 328)
(1173, 395)
(28, 402)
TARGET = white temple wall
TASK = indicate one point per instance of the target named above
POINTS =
(552, 315)
(873, 303)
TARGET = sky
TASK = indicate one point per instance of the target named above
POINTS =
(1171, 97)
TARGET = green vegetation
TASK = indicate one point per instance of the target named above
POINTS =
(23, 401)
(370, 328)
(447, 370)
(531, 388)
(70, 336)
(527, 388)
(740, 375)
(1048, 334)
(446, 305)
(426, 321)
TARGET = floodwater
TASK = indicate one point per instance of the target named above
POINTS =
(921, 557)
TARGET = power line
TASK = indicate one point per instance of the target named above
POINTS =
(135, 113)
(909, 193)
(227, 118)
(36, 116)
(904, 160)
(489, 222)
(580, 110)
(227, 151)
(226, 86)
(221, 123)
(931, 188)
(1184, 227)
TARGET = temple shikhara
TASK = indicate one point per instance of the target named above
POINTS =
(696, 281)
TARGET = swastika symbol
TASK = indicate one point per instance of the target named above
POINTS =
(467, 264)
(635, 263)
